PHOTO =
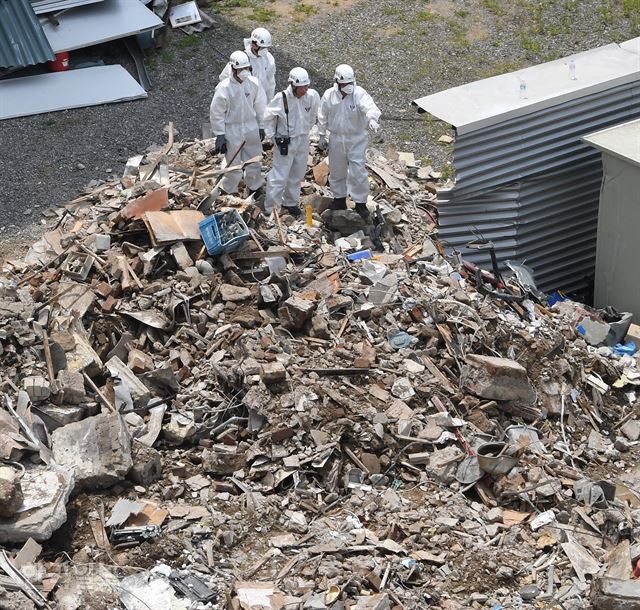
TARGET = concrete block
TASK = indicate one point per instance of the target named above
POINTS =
(37, 387)
(71, 384)
(295, 311)
(273, 372)
(139, 362)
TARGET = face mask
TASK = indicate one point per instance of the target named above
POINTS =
(348, 89)
(261, 52)
(243, 75)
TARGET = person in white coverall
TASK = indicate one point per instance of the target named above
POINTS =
(237, 114)
(263, 65)
(346, 110)
(288, 119)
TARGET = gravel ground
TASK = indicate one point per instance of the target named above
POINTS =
(401, 50)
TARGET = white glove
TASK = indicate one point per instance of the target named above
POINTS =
(374, 126)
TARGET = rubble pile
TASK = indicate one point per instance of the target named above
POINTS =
(325, 415)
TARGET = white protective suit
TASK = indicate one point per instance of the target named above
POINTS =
(263, 68)
(347, 120)
(287, 172)
(237, 111)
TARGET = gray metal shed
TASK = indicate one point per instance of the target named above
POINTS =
(524, 178)
(617, 280)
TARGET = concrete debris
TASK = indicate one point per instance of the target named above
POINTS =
(147, 465)
(295, 311)
(71, 385)
(497, 379)
(97, 450)
(10, 492)
(324, 416)
(45, 493)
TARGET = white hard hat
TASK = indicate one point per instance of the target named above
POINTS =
(262, 37)
(344, 74)
(239, 59)
(299, 77)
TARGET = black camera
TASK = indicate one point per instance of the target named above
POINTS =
(282, 142)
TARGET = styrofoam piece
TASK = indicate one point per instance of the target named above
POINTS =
(62, 90)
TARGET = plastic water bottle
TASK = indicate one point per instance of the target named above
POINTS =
(572, 69)
(523, 89)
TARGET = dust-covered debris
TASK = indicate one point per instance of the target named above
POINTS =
(324, 415)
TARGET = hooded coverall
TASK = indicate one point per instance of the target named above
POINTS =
(287, 172)
(237, 112)
(263, 68)
(347, 120)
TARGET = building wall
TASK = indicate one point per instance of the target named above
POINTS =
(617, 281)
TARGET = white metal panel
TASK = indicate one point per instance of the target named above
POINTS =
(98, 23)
(633, 45)
(621, 141)
(42, 7)
(495, 100)
(63, 90)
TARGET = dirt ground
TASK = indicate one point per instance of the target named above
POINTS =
(401, 50)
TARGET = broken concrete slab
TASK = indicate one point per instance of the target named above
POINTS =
(631, 429)
(96, 449)
(378, 601)
(234, 294)
(46, 490)
(497, 379)
(613, 594)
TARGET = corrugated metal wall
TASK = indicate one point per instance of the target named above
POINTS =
(22, 41)
(532, 187)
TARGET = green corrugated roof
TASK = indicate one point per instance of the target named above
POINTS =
(22, 41)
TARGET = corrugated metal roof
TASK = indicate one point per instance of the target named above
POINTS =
(622, 141)
(22, 41)
(491, 101)
(524, 177)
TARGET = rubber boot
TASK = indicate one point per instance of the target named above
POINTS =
(338, 203)
(292, 210)
(257, 193)
(363, 211)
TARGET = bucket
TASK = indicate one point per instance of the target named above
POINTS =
(492, 461)
(61, 62)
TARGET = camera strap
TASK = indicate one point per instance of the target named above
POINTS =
(285, 103)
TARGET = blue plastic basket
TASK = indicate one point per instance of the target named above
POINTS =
(211, 234)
